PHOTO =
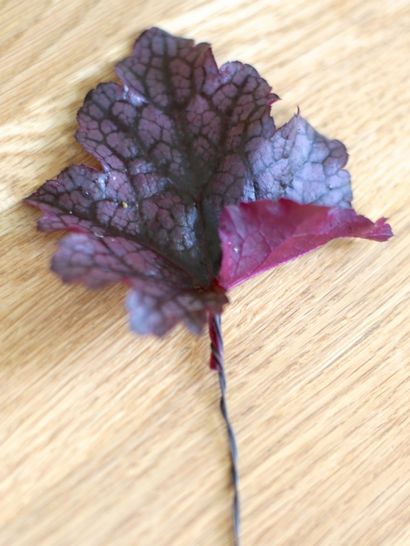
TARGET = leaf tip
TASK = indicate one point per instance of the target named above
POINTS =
(382, 230)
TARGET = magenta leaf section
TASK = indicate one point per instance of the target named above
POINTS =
(179, 139)
(261, 235)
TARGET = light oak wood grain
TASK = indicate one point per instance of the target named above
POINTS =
(109, 439)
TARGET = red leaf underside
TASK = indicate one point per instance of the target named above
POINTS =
(261, 235)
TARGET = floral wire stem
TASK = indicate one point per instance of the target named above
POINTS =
(217, 363)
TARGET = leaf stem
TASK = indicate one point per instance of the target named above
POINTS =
(217, 363)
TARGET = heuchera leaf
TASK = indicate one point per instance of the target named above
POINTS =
(261, 235)
(183, 144)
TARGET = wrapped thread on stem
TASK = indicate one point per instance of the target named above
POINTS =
(217, 363)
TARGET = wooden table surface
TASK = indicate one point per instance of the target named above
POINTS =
(110, 439)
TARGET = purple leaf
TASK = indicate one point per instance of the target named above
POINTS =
(179, 140)
(261, 235)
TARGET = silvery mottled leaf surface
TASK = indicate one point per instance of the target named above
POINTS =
(178, 140)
